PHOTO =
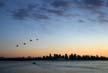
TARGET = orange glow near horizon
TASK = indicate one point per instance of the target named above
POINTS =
(45, 52)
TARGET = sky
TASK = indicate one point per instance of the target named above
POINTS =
(62, 26)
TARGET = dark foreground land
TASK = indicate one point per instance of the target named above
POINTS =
(57, 57)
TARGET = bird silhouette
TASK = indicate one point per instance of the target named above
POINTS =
(24, 43)
(17, 45)
(37, 39)
(31, 40)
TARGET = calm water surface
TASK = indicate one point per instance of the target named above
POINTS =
(54, 67)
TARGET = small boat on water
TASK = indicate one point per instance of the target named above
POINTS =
(34, 63)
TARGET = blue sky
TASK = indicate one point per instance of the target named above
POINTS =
(64, 24)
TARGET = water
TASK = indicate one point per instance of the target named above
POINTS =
(54, 67)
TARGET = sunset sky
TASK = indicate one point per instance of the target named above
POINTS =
(62, 26)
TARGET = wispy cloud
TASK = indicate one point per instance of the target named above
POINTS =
(92, 3)
(2, 3)
(20, 14)
(61, 3)
(42, 9)
(45, 9)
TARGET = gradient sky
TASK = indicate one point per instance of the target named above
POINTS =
(62, 26)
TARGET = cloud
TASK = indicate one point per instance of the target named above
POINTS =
(46, 9)
(92, 3)
(43, 9)
(61, 3)
(31, 11)
(59, 12)
(39, 11)
(104, 20)
(81, 21)
(39, 16)
(2, 3)
(20, 14)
